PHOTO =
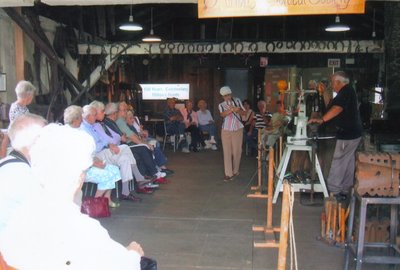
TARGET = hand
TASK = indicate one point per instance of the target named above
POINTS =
(123, 138)
(114, 149)
(211, 121)
(135, 247)
(235, 109)
(316, 120)
(145, 134)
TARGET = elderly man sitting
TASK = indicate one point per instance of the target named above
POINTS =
(206, 122)
(174, 122)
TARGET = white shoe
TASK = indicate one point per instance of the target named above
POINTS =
(185, 150)
(172, 139)
(212, 141)
(160, 175)
(208, 145)
(214, 147)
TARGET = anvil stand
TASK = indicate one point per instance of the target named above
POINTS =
(319, 187)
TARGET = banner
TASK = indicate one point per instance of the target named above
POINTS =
(249, 8)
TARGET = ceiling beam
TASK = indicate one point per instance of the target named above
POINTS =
(21, 3)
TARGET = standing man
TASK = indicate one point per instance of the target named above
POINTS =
(344, 112)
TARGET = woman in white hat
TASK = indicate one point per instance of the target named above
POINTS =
(232, 132)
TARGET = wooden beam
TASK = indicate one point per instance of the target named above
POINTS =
(240, 47)
(13, 14)
(19, 51)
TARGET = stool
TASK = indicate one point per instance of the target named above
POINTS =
(357, 247)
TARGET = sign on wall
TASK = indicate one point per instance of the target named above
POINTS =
(245, 8)
(334, 62)
(164, 91)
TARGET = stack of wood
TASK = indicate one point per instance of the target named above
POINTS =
(377, 174)
(333, 221)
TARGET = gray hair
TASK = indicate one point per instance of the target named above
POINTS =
(87, 110)
(98, 105)
(341, 76)
(111, 108)
(72, 113)
(261, 102)
(24, 130)
(24, 89)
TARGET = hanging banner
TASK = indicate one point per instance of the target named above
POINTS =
(247, 8)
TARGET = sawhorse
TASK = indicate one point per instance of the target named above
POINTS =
(318, 187)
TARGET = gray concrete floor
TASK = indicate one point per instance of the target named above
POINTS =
(197, 221)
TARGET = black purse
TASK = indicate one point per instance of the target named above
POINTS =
(148, 264)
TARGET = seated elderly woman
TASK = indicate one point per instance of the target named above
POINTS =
(100, 173)
(25, 92)
(48, 231)
(133, 123)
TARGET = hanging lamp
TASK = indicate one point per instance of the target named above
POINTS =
(337, 26)
(151, 37)
(130, 25)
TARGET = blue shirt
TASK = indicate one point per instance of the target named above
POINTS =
(169, 113)
(100, 142)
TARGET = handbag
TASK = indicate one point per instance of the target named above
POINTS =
(148, 264)
(95, 207)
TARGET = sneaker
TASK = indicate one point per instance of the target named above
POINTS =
(160, 174)
(185, 150)
(152, 186)
(167, 171)
(208, 145)
(144, 190)
(212, 141)
(160, 181)
(113, 204)
(172, 139)
(214, 147)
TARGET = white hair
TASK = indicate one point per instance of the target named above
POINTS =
(98, 105)
(72, 113)
(341, 76)
(59, 157)
(24, 130)
(24, 89)
(87, 110)
(111, 108)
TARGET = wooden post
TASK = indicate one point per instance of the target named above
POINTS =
(19, 50)
(259, 161)
(258, 189)
(270, 189)
(283, 241)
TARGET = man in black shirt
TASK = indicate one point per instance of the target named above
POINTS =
(344, 112)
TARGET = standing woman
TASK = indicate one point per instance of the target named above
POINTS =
(232, 132)
(25, 92)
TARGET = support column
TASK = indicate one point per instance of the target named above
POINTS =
(392, 55)
(19, 50)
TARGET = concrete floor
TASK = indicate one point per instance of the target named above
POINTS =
(197, 221)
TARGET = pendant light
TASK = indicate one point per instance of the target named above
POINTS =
(130, 25)
(337, 26)
(151, 37)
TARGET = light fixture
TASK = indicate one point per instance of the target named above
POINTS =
(373, 26)
(337, 26)
(130, 25)
(151, 37)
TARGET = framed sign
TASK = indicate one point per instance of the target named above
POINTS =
(3, 82)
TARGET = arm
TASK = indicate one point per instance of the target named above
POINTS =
(332, 113)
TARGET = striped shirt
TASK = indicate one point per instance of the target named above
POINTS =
(259, 120)
(232, 122)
